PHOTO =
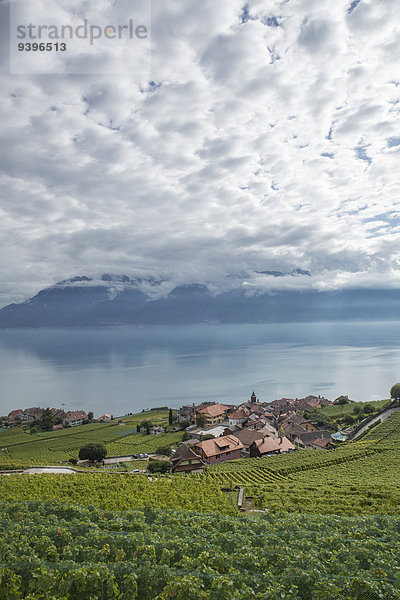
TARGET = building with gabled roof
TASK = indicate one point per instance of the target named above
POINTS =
(186, 461)
(238, 416)
(321, 444)
(270, 445)
(215, 413)
(104, 418)
(248, 436)
(306, 439)
(227, 447)
(74, 418)
(13, 415)
(31, 414)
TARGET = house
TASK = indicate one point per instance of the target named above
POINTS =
(186, 413)
(215, 413)
(268, 430)
(156, 430)
(227, 447)
(238, 417)
(307, 439)
(104, 418)
(294, 431)
(57, 427)
(247, 437)
(264, 447)
(186, 461)
(57, 413)
(321, 444)
(13, 415)
(289, 425)
(74, 418)
(31, 414)
(270, 445)
(257, 409)
(282, 405)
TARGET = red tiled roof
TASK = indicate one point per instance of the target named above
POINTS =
(15, 413)
(285, 445)
(214, 411)
(239, 414)
(220, 445)
(320, 442)
(267, 445)
(76, 415)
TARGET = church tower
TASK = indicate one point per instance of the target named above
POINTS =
(253, 398)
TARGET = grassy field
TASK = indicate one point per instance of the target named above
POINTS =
(19, 449)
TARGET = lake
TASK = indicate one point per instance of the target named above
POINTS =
(120, 370)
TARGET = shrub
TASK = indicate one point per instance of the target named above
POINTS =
(159, 466)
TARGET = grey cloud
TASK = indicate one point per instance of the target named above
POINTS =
(218, 168)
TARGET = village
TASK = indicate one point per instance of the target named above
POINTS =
(221, 432)
(212, 432)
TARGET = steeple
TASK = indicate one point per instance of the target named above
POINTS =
(253, 398)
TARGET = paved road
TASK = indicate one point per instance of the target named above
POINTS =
(381, 417)
(56, 470)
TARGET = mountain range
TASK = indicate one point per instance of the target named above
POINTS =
(120, 300)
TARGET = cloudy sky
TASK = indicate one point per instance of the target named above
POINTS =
(265, 136)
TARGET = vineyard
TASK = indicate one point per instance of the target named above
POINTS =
(119, 491)
(338, 411)
(62, 552)
(19, 449)
(359, 478)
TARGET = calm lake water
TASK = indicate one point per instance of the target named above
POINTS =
(120, 370)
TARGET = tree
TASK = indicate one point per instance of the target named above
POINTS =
(138, 428)
(184, 424)
(342, 400)
(368, 408)
(395, 392)
(90, 416)
(164, 450)
(349, 420)
(170, 417)
(159, 466)
(46, 420)
(93, 452)
(185, 436)
(201, 420)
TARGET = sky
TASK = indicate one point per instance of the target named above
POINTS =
(263, 136)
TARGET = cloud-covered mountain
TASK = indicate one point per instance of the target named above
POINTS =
(120, 300)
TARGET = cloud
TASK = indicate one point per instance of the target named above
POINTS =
(262, 139)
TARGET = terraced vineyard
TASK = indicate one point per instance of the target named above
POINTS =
(114, 491)
(359, 478)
